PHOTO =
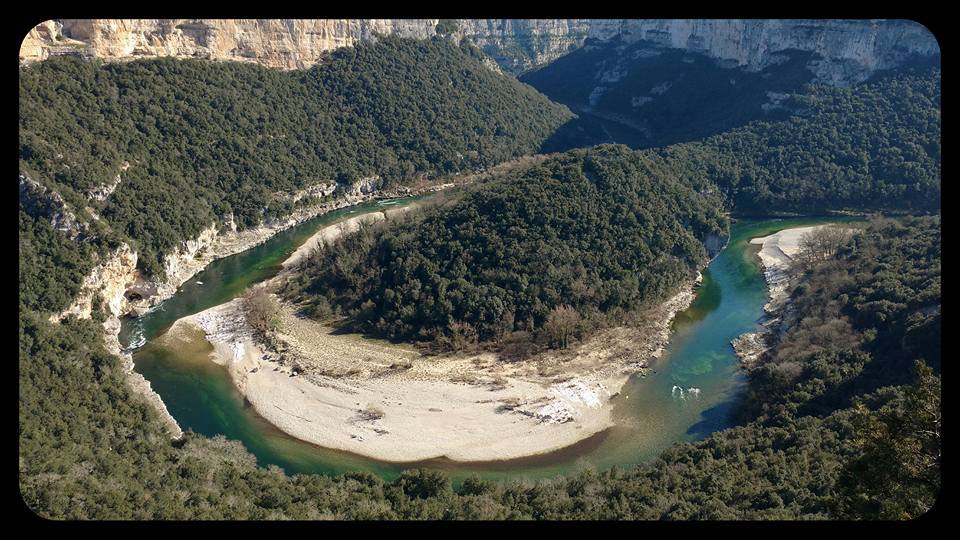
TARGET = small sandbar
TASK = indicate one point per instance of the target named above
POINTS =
(332, 232)
(776, 254)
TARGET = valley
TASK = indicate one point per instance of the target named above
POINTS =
(479, 269)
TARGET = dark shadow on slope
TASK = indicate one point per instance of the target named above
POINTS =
(644, 96)
(714, 419)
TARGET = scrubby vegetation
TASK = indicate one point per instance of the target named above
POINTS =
(838, 439)
(195, 140)
(261, 311)
(591, 234)
(840, 420)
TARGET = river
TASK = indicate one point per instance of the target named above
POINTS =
(686, 396)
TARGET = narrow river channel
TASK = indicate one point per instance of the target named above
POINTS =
(686, 396)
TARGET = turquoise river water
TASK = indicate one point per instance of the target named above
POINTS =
(687, 395)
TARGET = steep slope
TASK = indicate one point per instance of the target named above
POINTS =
(875, 146)
(163, 150)
(604, 231)
(644, 94)
(853, 49)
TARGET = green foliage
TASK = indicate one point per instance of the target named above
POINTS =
(206, 139)
(897, 474)
(604, 231)
(648, 96)
(873, 146)
(447, 26)
(52, 267)
(861, 321)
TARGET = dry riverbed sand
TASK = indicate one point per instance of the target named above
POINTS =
(776, 252)
(392, 403)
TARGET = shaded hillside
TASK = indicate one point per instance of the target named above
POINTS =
(657, 96)
(644, 95)
(873, 146)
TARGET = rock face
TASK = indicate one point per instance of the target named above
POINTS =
(110, 280)
(852, 49)
(281, 43)
(38, 200)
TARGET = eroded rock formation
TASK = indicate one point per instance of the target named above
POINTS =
(852, 50)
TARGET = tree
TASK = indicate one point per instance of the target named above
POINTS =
(561, 324)
(462, 335)
(446, 27)
(819, 245)
(897, 473)
(261, 310)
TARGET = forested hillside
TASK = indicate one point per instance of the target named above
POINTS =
(646, 96)
(876, 459)
(841, 419)
(873, 146)
(195, 141)
(601, 231)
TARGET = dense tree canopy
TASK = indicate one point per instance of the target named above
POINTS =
(196, 140)
(89, 449)
(604, 231)
(873, 146)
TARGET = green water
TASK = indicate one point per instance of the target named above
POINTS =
(225, 279)
(687, 395)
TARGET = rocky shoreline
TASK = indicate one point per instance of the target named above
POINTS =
(776, 253)
(139, 385)
(113, 277)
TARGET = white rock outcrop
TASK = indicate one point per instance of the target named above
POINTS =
(852, 49)
(109, 279)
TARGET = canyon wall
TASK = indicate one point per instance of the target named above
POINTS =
(852, 49)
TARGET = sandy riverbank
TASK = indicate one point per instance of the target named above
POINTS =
(391, 403)
(332, 232)
(193, 256)
(776, 253)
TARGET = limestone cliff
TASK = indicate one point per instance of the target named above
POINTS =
(852, 49)
(109, 280)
